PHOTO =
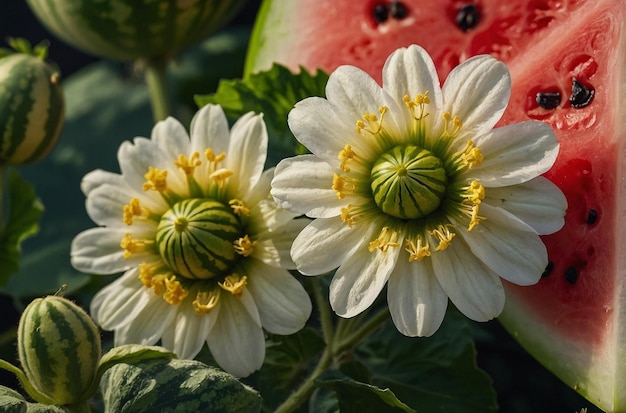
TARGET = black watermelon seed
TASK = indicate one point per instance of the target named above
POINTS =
(592, 216)
(467, 17)
(548, 269)
(380, 13)
(571, 275)
(581, 94)
(398, 10)
(548, 100)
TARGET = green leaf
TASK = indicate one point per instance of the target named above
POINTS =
(358, 397)
(25, 209)
(431, 374)
(131, 353)
(13, 402)
(274, 93)
(286, 363)
(173, 385)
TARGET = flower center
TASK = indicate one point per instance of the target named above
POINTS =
(408, 182)
(195, 238)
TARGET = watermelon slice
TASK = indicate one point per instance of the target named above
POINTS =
(568, 64)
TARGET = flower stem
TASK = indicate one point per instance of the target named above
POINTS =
(3, 171)
(366, 329)
(156, 79)
(325, 315)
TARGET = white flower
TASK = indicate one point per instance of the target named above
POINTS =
(411, 186)
(204, 247)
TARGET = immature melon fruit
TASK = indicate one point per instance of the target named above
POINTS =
(568, 66)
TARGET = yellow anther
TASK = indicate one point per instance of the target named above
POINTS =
(474, 218)
(234, 284)
(345, 155)
(471, 156)
(347, 216)
(158, 283)
(212, 157)
(146, 273)
(239, 207)
(417, 106)
(343, 185)
(174, 293)
(156, 179)
(132, 246)
(134, 209)
(243, 246)
(188, 165)
(443, 235)
(206, 301)
(452, 125)
(417, 252)
(385, 239)
(476, 192)
(372, 123)
(220, 176)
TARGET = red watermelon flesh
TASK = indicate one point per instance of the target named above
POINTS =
(568, 65)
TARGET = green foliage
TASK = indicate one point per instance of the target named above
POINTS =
(13, 402)
(274, 93)
(172, 385)
(25, 210)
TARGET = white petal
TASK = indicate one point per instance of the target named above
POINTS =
(477, 91)
(171, 137)
(538, 202)
(247, 152)
(267, 216)
(98, 251)
(261, 191)
(190, 332)
(410, 71)
(273, 248)
(236, 342)
(326, 243)
(507, 246)
(416, 300)
(472, 287)
(147, 327)
(99, 177)
(360, 279)
(283, 304)
(209, 129)
(120, 302)
(515, 154)
(303, 184)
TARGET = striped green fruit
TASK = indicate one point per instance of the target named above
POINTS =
(195, 238)
(408, 182)
(59, 349)
(31, 108)
(123, 29)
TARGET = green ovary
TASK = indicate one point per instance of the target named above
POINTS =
(195, 238)
(408, 182)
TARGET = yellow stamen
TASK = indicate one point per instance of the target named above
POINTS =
(443, 235)
(175, 293)
(476, 192)
(347, 215)
(132, 246)
(212, 157)
(156, 180)
(345, 155)
(158, 283)
(234, 284)
(417, 252)
(417, 106)
(343, 185)
(188, 165)
(471, 156)
(239, 207)
(220, 176)
(134, 209)
(452, 126)
(146, 273)
(206, 301)
(243, 246)
(385, 240)
(372, 123)
(474, 218)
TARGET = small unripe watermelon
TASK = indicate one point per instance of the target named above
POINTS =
(123, 29)
(31, 108)
(59, 349)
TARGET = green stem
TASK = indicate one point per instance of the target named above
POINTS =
(3, 171)
(156, 79)
(26, 384)
(326, 319)
(366, 329)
